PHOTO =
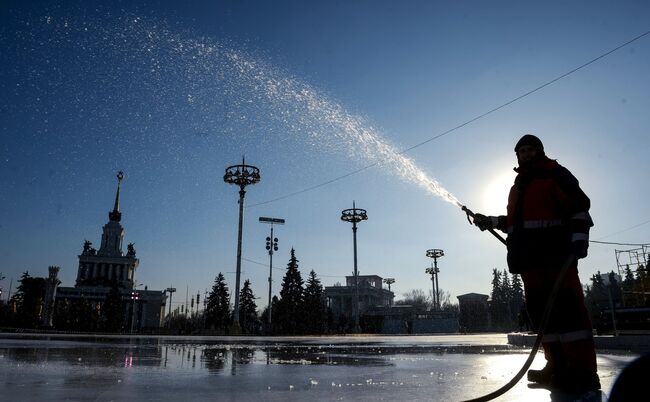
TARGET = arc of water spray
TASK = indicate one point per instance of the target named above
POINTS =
(407, 170)
(360, 139)
(321, 115)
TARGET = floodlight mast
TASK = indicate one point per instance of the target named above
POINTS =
(242, 176)
(271, 246)
(355, 215)
(435, 253)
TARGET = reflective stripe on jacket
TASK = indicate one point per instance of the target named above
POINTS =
(547, 211)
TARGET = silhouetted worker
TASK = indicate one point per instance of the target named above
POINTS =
(547, 223)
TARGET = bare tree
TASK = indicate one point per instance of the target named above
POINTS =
(415, 298)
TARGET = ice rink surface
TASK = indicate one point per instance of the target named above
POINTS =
(353, 368)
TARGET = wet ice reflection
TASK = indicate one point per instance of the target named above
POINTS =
(154, 369)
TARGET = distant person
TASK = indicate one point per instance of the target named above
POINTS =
(548, 223)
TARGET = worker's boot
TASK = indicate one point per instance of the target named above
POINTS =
(543, 376)
(577, 381)
(580, 374)
(554, 363)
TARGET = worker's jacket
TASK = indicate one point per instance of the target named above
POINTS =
(547, 211)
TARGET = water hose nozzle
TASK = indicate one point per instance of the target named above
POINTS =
(468, 212)
(472, 215)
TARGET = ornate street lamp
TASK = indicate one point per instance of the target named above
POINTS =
(271, 246)
(435, 253)
(242, 176)
(355, 215)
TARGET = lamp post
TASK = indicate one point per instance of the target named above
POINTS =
(435, 253)
(389, 281)
(355, 215)
(135, 296)
(242, 176)
(271, 246)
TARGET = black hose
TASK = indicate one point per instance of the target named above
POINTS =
(538, 340)
(542, 325)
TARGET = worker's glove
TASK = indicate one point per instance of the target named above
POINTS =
(579, 248)
(485, 222)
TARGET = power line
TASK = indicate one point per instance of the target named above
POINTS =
(480, 116)
(625, 230)
(620, 244)
(317, 185)
(282, 269)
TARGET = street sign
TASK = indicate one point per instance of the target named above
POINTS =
(276, 221)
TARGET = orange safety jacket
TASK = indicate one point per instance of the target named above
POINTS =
(547, 211)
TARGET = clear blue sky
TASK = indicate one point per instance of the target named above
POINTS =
(174, 93)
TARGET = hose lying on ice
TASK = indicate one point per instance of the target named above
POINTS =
(540, 332)
(538, 340)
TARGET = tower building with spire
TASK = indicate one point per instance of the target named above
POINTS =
(101, 271)
(110, 263)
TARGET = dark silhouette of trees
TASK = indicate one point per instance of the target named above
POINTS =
(315, 308)
(290, 308)
(217, 310)
(498, 302)
(605, 293)
(445, 302)
(264, 317)
(416, 298)
(248, 319)
(506, 301)
(28, 301)
(77, 315)
(596, 296)
(629, 284)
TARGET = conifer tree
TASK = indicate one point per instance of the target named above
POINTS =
(498, 297)
(29, 299)
(315, 309)
(517, 302)
(506, 305)
(517, 291)
(248, 309)
(217, 310)
(628, 286)
(291, 304)
(596, 296)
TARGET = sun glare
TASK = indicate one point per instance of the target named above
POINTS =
(495, 194)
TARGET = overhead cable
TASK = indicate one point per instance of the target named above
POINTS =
(480, 116)
(620, 244)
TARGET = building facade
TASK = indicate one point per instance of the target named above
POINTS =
(100, 271)
(371, 294)
(474, 312)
